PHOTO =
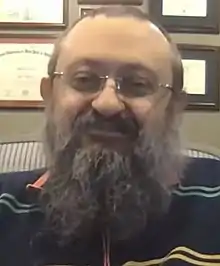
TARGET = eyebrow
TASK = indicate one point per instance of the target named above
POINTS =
(81, 62)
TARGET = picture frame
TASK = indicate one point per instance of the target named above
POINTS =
(110, 2)
(197, 16)
(83, 11)
(23, 62)
(201, 76)
(33, 14)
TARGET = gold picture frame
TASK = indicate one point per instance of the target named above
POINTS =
(23, 62)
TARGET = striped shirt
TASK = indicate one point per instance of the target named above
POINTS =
(189, 234)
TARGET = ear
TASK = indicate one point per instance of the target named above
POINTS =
(180, 102)
(183, 101)
(46, 88)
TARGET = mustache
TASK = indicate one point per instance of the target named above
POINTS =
(123, 123)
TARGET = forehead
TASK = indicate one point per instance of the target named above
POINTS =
(123, 40)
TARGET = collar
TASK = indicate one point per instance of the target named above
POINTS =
(39, 183)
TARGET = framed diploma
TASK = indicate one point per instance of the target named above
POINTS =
(110, 2)
(193, 16)
(34, 14)
(23, 62)
(201, 71)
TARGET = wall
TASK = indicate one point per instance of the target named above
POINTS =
(198, 127)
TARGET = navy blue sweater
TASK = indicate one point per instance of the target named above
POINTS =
(189, 234)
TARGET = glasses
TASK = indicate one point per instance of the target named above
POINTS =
(128, 86)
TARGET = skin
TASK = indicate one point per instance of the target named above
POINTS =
(113, 43)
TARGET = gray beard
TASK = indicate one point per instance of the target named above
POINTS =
(91, 189)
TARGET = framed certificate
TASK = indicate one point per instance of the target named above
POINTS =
(35, 14)
(23, 62)
(201, 72)
(193, 16)
(110, 2)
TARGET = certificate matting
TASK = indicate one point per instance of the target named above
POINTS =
(192, 70)
(33, 13)
(22, 65)
(191, 8)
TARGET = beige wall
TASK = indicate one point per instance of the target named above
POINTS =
(198, 127)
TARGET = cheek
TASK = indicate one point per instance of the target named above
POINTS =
(70, 103)
(148, 110)
(141, 108)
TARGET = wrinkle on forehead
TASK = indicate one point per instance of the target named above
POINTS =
(124, 39)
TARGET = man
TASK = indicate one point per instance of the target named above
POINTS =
(117, 189)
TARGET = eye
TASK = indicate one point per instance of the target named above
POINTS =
(137, 86)
(139, 83)
(82, 78)
(85, 82)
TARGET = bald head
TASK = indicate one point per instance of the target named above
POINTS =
(118, 40)
(126, 12)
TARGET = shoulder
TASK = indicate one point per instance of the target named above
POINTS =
(202, 172)
(200, 185)
(196, 204)
(201, 179)
(190, 229)
(13, 193)
(17, 181)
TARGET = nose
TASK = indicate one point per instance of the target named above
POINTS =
(107, 103)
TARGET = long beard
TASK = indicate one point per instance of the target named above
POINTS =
(92, 189)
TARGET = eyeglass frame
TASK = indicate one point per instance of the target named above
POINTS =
(117, 83)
